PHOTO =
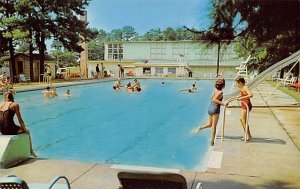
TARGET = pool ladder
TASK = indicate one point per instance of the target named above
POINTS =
(224, 116)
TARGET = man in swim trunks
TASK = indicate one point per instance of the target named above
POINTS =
(137, 86)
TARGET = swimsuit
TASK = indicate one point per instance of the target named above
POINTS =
(7, 124)
(214, 108)
(247, 101)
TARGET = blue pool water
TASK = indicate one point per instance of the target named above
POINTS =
(96, 124)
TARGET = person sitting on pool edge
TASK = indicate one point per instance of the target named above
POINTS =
(137, 86)
(190, 90)
(9, 109)
(117, 85)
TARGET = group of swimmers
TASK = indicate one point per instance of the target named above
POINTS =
(129, 88)
(50, 93)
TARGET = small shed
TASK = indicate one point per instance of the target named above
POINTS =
(22, 62)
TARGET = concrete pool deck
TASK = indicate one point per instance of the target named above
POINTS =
(270, 160)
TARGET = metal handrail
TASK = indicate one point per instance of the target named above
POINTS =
(224, 116)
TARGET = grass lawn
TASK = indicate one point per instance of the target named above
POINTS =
(288, 90)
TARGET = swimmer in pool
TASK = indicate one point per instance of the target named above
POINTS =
(190, 90)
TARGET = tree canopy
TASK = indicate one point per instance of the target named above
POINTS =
(37, 20)
(268, 30)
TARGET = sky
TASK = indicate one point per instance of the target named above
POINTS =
(144, 15)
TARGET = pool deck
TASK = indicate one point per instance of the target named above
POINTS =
(270, 160)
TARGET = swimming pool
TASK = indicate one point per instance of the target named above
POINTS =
(152, 128)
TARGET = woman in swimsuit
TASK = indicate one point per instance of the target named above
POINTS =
(214, 110)
(8, 110)
(245, 96)
(129, 88)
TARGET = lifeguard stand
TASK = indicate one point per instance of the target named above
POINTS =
(242, 69)
(182, 65)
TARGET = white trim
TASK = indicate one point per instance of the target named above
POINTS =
(142, 168)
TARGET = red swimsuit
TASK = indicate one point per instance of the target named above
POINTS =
(247, 101)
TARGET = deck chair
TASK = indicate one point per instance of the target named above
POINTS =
(14, 182)
(287, 80)
(130, 73)
(242, 68)
(296, 85)
(153, 180)
(243, 65)
(24, 79)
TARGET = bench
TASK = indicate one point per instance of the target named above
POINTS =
(14, 149)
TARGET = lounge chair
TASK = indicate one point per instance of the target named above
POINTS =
(130, 73)
(14, 182)
(293, 80)
(242, 68)
(296, 85)
(24, 79)
(243, 65)
(153, 180)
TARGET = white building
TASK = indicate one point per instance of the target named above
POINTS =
(169, 58)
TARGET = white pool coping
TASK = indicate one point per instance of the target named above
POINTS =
(143, 168)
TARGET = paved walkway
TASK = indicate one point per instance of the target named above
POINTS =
(270, 160)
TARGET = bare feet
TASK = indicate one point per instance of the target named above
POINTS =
(247, 139)
(197, 130)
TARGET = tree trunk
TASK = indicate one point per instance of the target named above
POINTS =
(297, 68)
(218, 61)
(12, 62)
(31, 56)
(42, 53)
(281, 73)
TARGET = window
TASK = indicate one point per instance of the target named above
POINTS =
(158, 51)
(146, 70)
(172, 70)
(159, 70)
(115, 51)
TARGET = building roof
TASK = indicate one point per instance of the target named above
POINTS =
(181, 41)
(36, 56)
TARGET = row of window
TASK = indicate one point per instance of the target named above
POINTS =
(159, 70)
(159, 52)
(115, 51)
